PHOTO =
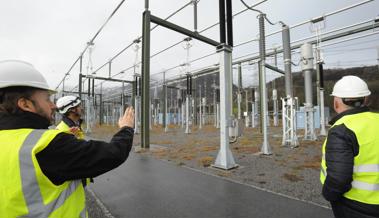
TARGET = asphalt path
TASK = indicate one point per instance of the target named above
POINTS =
(144, 187)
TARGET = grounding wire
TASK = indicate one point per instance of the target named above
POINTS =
(250, 8)
(236, 14)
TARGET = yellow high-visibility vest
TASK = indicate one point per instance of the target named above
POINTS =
(24, 190)
(365, 184)
(64, 127)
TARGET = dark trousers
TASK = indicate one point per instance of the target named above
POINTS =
(341, 210)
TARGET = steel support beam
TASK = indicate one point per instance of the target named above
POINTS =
(145, 106)
(182, 30)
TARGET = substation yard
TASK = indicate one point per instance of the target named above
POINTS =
(289, 171)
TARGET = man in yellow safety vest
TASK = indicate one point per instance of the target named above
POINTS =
(70, 108)
(40, 168)
(350, 160)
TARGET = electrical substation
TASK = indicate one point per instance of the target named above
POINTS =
(236, 106)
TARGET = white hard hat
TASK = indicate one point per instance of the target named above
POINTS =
(350, 87)
(66, 102)
(20, 73)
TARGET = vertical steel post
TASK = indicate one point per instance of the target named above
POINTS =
(80, 77)
(101, 105)
(318, 83)
(89, 87)
(265, 149)
(214, 102)
(247, 121)
(222, 21)
(200, 109)
(322, 105)
(195, 15)
(217, 116)
(145, 107)
(80, 86)
(93, 88)
(110, 69)
(229, 21)
(194, 94)
(180, 103)
(164, 102)
(137, 104)
(204, 102)
(253, 114)
(133, 93)
(123, 97)
(63, 82)
(218, 108)
(188, 104)
(225, 158)
(275, 92)
(239, 94)
(155, 106)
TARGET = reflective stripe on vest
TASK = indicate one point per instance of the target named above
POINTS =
(30, 186)
(365, 186)
(367, 168)
(323, 172)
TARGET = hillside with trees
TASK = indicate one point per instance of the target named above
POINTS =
(369, 74)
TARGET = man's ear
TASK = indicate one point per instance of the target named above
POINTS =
(25, 105)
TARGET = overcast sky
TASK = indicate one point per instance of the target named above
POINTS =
(51, 34)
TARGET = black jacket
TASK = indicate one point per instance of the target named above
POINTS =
(341, 148)
(67, 158)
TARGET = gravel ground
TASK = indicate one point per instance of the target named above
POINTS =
(288, 171)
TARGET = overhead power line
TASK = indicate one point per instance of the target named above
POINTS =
(203, 30)
(165, 49)
(91, 41)
(138, 40)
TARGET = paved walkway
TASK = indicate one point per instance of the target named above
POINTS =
(147, 188)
